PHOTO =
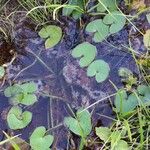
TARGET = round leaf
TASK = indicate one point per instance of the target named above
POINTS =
(100, 30)
(85, 50)
(116, 20)
(17, 119)
(100, 69)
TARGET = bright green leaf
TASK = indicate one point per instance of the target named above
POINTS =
(100, 30)
(81, 125)
(103, 133)
(100, 69)
(86, 51)
(53, 35)
(121, 145)
(40, 141)
(17, 119)
(116, 20)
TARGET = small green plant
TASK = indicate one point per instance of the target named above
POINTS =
(127, 77)
(52, 34)
(40, 141)
(98, 68)
(17, 119)
(22, 93)
(114, 138)
(2, 72)
(73, 12)
(80, 125)
(125, 103)
(106, 5)
(146, 39)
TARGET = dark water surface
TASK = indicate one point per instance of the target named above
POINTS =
(58, 74)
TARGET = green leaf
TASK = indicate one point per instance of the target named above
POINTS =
(100, 30)
(29, 87)
(148, 17)
(103, 133)
(53, 35)
(40, 141)
(124, 103)
(100, 69)
(2, 71)
(146, 39)
(81, 125)
(115, 138)
(85, 50)
(116, 20)
(109, 4)
(17, 119)
(121, 145)
(125, 72)
(28, 99)
(144, 94)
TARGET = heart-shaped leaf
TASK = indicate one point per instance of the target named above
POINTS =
(100, 69)
(52, 34)
(17, 119)
(103, 133)
(85, 50)
(22, 93)
(81, 125)
(99, 29)
(109, 4)
(40, 141)
(2, 71)
(125, 103)
(146, 39)
(116, 20)
(144, 94)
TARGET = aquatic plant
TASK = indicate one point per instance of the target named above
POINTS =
(22, 93)
(17, 119)
(80, 125)
(98, 68)
(52, 34)
(40, 141)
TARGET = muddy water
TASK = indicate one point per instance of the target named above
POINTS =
(58, 74)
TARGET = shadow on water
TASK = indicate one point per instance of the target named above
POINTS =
(58, 74)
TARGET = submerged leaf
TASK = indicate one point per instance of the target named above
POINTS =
(99, 29)
(86, 51)
(40, 141)
(100, 69)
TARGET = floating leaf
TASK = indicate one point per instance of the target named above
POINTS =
(81, 125)
(22, 93)
(109, 4)
(99, 29)
(100, 69)
(40, 141)
(146, 39)
(85, 50)
(52, 34)
(17, 119)
(103, 133)
(2, 71)
(125, 103)
(116, 20)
